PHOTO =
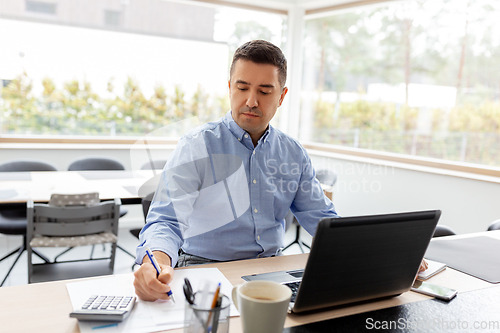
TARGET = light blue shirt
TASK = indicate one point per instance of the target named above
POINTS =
(221, 198)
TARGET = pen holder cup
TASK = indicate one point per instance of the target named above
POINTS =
(199, 318)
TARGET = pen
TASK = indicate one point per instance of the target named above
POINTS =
(215, 323)
(214, 304)
(157, 267)
(104, 326)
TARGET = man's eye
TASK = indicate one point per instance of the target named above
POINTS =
(265, 93)
(242, 89)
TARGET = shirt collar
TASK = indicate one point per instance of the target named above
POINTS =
(239, 132)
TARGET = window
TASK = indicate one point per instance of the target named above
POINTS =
(111, 18)
(40, 7)
(416, 77)
(167, 62)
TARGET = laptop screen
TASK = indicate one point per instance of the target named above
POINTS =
(354, 259)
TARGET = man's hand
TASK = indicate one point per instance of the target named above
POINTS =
(147, 286)
(423, 266)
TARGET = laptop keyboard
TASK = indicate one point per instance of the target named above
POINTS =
(294, 286)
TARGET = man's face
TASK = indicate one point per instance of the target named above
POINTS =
(255, 94)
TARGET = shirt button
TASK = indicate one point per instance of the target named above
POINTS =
(255, 210)
(258, 237)
(239, 139)
(254, 152)
(254, 181)
(246, 136)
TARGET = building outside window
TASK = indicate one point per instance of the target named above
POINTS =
(112, 18)
(148, 64)
(41, 7)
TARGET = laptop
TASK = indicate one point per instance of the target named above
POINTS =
(355, 259)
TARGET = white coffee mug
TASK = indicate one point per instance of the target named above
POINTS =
(263, 306)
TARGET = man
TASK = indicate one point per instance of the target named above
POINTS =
(228, 185)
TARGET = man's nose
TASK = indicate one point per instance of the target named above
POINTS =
(252, 100)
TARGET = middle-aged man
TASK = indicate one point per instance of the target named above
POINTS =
(229, 184)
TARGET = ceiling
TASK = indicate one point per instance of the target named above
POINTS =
(289, 4)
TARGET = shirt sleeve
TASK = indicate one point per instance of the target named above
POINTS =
(173, 202)
(311, 204)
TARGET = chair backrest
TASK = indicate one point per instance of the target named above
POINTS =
(146, 203)
(48, 220)
(495, 225)
(326, 176)
(26, 166)
(84, 199)
(95, 163)
(154, 165)
(443, 230)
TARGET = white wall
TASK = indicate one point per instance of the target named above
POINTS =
(363, 187)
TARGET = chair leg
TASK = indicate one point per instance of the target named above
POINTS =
(41, 256)
(121, 248)
(20, 252)
(63, 252)
(11, 253)
(92, 251)
(297, 241)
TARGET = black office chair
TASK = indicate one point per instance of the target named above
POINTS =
(495, 225)
(443, 230)
(146, 203)
(154, 165)
(325, 177)
(13, 221)
(96, 163)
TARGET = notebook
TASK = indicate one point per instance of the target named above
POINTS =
(361, 258)
(433, 268)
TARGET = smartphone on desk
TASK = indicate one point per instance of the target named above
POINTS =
(429, 289)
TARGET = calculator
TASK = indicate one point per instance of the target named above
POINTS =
(105, 308)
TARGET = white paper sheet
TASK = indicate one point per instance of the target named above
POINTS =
(146, 316)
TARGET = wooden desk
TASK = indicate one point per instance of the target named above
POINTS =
(18, 187)
(45, 307)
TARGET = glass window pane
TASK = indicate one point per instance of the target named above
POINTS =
(120, 67)
(412, 77)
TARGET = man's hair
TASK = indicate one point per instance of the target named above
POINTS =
(262, 52)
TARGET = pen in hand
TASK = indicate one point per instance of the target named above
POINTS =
(157, 267)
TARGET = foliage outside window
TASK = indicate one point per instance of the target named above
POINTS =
(126, 80)
(415, 77)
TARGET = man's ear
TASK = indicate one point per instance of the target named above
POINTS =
(229, 86)
(283, 93)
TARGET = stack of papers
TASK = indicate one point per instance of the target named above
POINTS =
(146, 316)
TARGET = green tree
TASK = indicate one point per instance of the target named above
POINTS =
(247, 31)
(342, 43)
(19, 104)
